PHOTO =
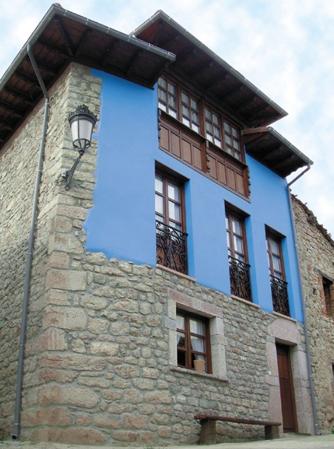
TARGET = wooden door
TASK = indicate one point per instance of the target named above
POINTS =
(286, 389)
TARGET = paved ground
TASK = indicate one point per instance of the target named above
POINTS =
(287, 442)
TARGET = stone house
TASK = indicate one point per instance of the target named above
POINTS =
(316, 255)
(164, 282)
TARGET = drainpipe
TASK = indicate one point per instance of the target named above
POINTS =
(307, 340)
(29, 256)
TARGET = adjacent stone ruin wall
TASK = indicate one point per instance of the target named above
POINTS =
(316, 253)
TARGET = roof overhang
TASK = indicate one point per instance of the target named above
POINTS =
(217, 78)
(271, 149)
(63, 37)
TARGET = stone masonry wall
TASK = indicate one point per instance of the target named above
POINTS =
(316, 253)
(18, 164)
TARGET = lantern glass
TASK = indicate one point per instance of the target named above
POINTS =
(82, 122)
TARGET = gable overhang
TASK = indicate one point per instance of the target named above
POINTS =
(272, 149)
(63, 37)
(238, 96)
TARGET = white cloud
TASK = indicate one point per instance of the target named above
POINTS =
(285, 47)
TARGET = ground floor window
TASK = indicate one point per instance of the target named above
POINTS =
(193, 342)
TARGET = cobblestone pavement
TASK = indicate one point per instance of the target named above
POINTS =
(289, 442)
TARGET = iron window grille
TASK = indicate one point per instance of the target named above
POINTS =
(171, 247)
(279, 291)
(279, 286)
(240, 278)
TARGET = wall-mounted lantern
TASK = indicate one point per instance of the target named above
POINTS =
(82, 122)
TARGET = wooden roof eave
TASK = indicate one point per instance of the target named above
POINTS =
(270, 111)
(19, 90)
(269, 147)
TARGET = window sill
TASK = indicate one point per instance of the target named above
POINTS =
(177, 273)
(280, 315)
(245, 301)
(177, 369)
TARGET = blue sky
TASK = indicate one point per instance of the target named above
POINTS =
(285, 47)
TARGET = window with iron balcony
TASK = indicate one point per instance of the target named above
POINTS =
(171, 238)
(237, 255)
(279, 286)
(198, 133)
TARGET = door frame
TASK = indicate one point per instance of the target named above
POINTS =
(287, 349)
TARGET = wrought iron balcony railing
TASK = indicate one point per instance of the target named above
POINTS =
(240, 279)
(171, 247)
(279, 291)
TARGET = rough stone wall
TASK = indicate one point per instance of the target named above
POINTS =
(18, 165)
(316, 253)
(109, 377)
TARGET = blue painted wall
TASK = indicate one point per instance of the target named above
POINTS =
(121, 223)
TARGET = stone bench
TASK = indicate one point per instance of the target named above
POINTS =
(208, 426)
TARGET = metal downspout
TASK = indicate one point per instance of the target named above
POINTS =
(307, 341)
(29, 257)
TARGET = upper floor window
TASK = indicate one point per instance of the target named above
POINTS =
(237, 252)
(189, 111)
(170, 226)
(275, 257)
(327, 286)
(167, 97)
(213, 127)
(232, 144)
(279, 287)
(200, 117)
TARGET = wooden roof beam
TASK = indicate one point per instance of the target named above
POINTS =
(186, 54)
(231, 93)
(17, 93)
(28, 79)
(217, 81)
(5, 125)
(271, 155)
(202, 69)
(11, 109)
(47, 69)
(286, 162)
(167, 42)
(66, 37)
(246, 103)
(132, 60)
(83, 38)
(107, 52)
(54, 48)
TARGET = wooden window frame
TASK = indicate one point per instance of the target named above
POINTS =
(202, 105)
(212, 112)
(233, 151)
(166, 177)
(187, 337)
(232, 213)
(327, 287)
(168, 94)
(189, 106)
(272, 235)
